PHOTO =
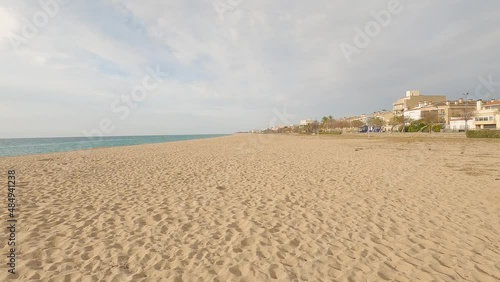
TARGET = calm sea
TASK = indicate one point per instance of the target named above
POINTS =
(28, 146)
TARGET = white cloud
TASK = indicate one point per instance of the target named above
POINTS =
(262, 55)
(8, 23)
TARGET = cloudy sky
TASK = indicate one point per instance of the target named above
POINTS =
(178, 67)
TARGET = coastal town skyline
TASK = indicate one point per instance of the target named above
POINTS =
(451, 114)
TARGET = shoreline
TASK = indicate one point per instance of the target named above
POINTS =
(106, 147)
(393, 136)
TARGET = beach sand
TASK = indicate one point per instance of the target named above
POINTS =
(260, 208)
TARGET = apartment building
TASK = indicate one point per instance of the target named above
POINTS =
(487, 115)
(448, 110)
(413, 99)
(386, 116)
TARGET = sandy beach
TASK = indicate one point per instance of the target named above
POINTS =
(260, 208)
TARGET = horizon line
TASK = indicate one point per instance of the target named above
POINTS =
(117, 136)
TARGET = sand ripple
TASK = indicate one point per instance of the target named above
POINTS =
(294, 209)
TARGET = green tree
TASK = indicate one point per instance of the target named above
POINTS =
(417, 125)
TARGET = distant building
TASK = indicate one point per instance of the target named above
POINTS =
(386, 116)
(487, 115)
(306, 121)
(277, 127)
(413, 113)
(412, 100)
(363, 118)
(449, 110)
(493, 104)
(458, 124)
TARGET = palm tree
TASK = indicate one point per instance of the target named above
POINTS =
(330, 120)
(324, 122)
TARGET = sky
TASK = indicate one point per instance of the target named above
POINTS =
(156, 67)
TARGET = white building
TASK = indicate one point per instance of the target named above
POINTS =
(306, 121)
(458, 124)
(413, 114)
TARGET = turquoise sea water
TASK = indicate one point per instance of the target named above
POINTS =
(29, 146)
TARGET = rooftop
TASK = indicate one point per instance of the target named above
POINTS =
(491, 103)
